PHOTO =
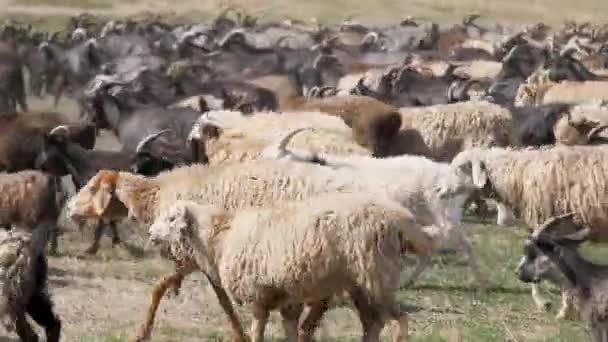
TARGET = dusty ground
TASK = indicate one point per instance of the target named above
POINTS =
(103, 298)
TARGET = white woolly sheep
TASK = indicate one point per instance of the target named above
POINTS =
(261, 183)
(238, 138)
(542, 183)
(425, 177)
(252, 256)
(23, 284)
(448, 129)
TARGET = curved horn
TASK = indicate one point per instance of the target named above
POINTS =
(62, 129)
(282, 145)
(315, 64)
(148, 139)
(99, 82)
(202, 121)
(552, 221)
(595, 131)
(470, 19)
(451, 90)
(230, 35)
(370, 38)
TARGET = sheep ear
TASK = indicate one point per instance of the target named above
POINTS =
(479, 174)
(107, 183)
(102, 198)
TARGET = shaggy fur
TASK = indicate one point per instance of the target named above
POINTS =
(266, 266)
(542, 183)
(546, 182)
(449, 129)
(245, 137)
(544, 91)
(28, 199)
(23, 281)
(374, 124)
(31, 127)
(259, 183)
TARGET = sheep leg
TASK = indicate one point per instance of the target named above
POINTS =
(235, 323)
(40, 308)
(291, 315)
(599, 333)
(567, 311)
(306, 330)
(158, 292)
(472, 259)
(24, 329)
(541, 302)
(504, 215)
(423, 263)
(258, 326)
(368, 315)
(96, 238)
(114, 232)
(399, 319)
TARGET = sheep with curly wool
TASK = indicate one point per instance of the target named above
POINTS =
(434, 199)
(233, 137)
(538, 184)
(374, 124)
(23, 284)
(435, 175)
(335, 242)
(448, 129)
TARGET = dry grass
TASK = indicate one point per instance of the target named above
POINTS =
(512, 11)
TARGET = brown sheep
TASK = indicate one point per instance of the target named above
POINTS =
(374, 123)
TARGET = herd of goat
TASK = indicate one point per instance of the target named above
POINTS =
(292, 163)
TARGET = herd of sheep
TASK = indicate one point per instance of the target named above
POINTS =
(295, 163)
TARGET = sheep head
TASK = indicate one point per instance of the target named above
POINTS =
(95, 199)
(187, 231)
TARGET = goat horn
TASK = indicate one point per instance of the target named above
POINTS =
(60, 129)
(230, 35)
(372, 36)
(282, 146)
(595, 131)
(148, 139)
(203, 120)
(552, 221)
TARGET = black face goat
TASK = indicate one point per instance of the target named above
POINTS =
(588, 281)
